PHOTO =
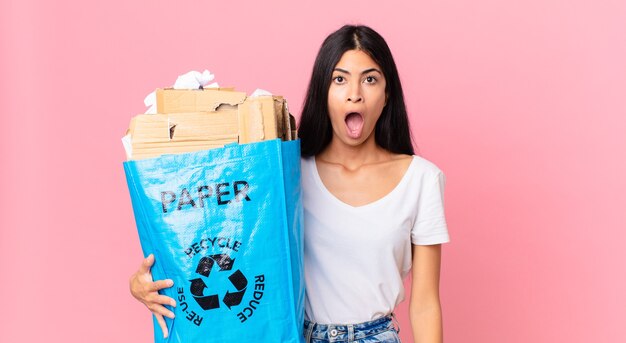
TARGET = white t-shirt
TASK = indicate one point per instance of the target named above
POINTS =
(356, 257)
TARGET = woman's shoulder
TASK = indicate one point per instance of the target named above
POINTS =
(426, 167)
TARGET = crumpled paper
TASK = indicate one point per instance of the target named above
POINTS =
(195, 80)
(260, 92)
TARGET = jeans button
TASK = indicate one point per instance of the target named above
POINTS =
(333, 332)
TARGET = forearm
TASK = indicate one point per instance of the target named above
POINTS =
(426, 322)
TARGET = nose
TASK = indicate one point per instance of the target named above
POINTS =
(354, 94)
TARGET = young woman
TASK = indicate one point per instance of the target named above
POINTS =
(372, 210)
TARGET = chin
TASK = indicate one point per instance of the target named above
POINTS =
(354, 142)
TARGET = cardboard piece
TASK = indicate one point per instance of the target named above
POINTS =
(171, 100)
(193, 120)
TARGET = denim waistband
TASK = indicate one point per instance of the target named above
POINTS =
(347, 332)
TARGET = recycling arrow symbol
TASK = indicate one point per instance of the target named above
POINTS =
(237, 279)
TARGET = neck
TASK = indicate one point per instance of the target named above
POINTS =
(352, 157)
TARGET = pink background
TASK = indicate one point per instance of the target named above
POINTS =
(521, 103)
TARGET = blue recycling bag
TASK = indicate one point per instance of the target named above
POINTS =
(226, 226)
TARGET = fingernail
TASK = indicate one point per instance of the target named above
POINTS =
(170, 283)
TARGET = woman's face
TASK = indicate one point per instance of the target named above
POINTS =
(356, 97)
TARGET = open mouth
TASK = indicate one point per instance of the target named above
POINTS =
(354, 124)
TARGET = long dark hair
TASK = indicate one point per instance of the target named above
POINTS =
(392, 129)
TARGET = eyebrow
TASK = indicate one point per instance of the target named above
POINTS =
(363, 72)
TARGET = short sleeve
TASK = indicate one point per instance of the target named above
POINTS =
(430, 224)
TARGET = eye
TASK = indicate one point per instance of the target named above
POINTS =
(370, 79)
(339, 79)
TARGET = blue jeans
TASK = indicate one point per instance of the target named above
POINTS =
(379, 330)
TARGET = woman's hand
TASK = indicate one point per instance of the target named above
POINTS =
(144, 289)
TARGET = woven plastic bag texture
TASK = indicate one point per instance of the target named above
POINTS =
(226, 226)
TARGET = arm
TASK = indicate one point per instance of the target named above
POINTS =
(147, 292)
(424, 306)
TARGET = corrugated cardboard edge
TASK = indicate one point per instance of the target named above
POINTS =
(294, 130)
(257, 120)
